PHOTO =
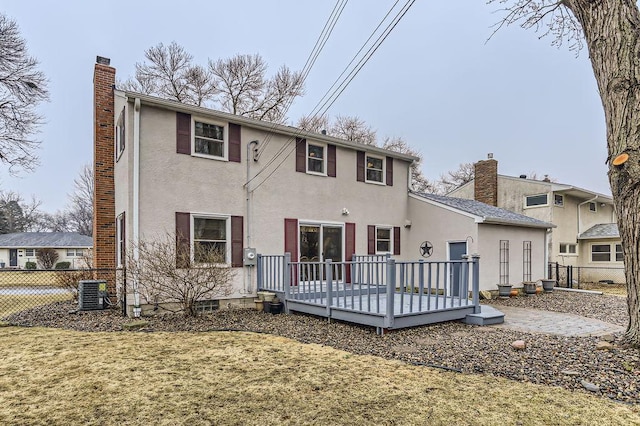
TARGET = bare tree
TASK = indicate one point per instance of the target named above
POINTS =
(22, 88)
(18, 215)
(314, 123)
(238, 85)
(419, 182)
(455, 178)
(610, 29)
(161, 283)
(353, 129)
(80, 210)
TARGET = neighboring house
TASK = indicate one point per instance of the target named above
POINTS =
(21, 247)
(585, 232)
(218, 179)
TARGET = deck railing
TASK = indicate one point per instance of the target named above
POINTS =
(374, 285)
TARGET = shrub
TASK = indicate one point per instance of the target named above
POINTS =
(30, 265)
(47, 257)
(63, 265)
(69, 280)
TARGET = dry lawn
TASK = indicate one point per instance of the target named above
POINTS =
(613, 289)
(50, 376)
(17, 303)
(25, 278)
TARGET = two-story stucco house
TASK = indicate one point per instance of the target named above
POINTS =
(214, 178)
(586, 233)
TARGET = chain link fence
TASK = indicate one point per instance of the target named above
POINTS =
(22, 289)
(585, 276)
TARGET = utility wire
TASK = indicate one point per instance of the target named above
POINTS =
(311, 59)
(330, 97)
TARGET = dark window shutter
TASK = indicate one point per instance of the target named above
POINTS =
(301, 155)
(360, 166)
(291, 238)
(235, 153)
(396, 240)
(371, 239)
(389, 171)
(331, 160)
(183, 243)
(237, 241)
(349, 246)
(183, 133)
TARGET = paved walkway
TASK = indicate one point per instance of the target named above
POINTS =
(537, 321)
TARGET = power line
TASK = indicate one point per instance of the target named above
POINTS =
(330, 98)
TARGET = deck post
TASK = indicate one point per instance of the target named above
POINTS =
(329, 279)
(286, 279)
(391, 289)
(259, 281)
(475, 259)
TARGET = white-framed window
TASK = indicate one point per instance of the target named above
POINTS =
(210, 139)
(210, 232)
(316, 158)
(120, 236)
(384, 239)
(374, 169)
(568, 248)
(75, 252)
(536, 200)
(593, 207)
(558, 200)
(601, 252)
(29, 252)
(619, 253)
(120, 135)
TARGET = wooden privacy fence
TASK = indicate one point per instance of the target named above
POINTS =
(375, 290)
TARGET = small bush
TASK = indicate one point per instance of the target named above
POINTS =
(47, 257)
(63, 265)
(30, 265)
(69, 280)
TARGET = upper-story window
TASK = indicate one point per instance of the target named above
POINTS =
(375, 169)
(316, 158)
(536, 200)
(558, 200)
(593, 207)
(120, 135)
(209, 139)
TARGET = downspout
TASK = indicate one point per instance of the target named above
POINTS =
(248, 286)
(136, 201)
(582, 204)
(547, 237)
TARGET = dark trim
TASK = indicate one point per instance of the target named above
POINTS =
(331, 160)
(396, 240)
(237, 241)
(360, 166)
(291, 238)
(183, 239)
(235, 151)
(389, 162)
(301, 155)
(183, 133)
(371, 239)
(349, 247)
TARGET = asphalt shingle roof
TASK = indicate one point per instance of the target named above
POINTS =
(486, 212)
(45, 239)
(602, 230)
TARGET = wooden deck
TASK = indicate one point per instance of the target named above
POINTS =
(379, 292)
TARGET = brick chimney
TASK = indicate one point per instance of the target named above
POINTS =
(104, 229)
(486, 181)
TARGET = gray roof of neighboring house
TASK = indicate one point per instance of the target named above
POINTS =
(45, 239)
(489, 214)
(602, 230)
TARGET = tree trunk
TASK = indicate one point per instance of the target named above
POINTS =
(612, 32)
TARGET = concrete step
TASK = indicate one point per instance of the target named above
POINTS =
(488, 316)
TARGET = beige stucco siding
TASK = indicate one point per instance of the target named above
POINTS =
(489, 237)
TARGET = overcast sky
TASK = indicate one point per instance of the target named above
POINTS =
(435, 81)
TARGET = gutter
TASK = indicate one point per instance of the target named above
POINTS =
(582, 204)
(137, 310)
